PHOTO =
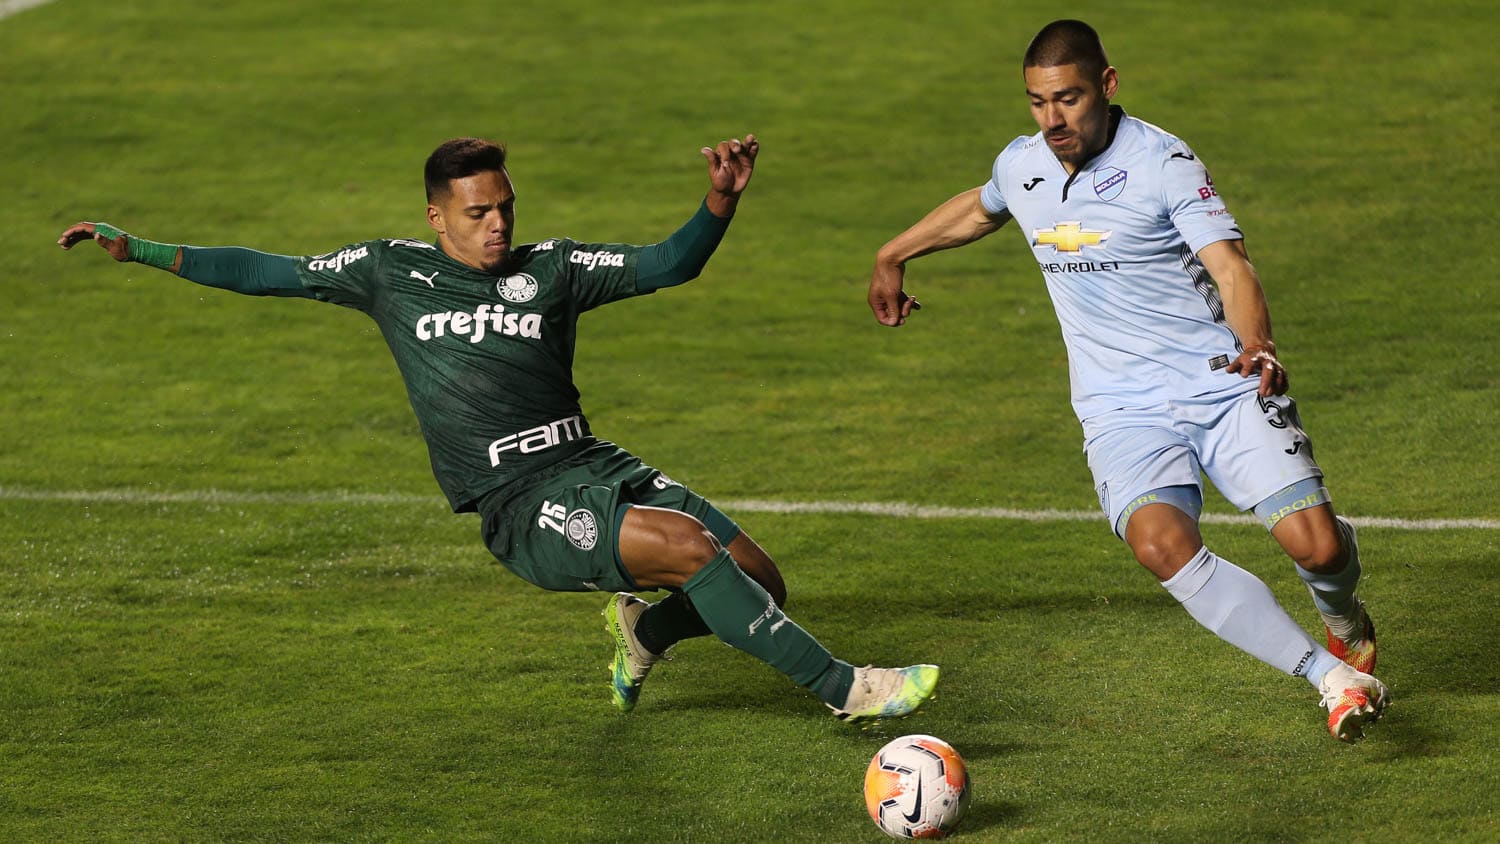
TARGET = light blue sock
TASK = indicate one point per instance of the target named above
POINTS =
(1333, 594)
(1240, 609)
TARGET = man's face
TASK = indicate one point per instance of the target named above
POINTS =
(1072, 110)
(475, 220)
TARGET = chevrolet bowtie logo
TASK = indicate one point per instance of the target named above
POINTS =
(1068, 237)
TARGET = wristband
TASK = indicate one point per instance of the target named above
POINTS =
(142, 251)
(152, 254)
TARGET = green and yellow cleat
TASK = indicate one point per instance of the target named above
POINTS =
(887, 692)
(631, 662)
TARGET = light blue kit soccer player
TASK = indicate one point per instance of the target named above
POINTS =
(1174, 372)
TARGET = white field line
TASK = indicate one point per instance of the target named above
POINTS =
(11, 7)
(748, 505)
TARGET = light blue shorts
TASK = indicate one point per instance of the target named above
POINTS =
(1249, 447)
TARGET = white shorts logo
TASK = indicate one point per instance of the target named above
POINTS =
(582, 530)
(517, 288)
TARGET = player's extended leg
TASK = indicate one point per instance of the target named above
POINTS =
(1326, 551)
(1233, 603)
(662, 624)
(663, 548)
(1240, 609)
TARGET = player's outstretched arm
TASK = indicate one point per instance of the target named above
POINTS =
(225, 267)
(959, 221)
(120, 245)
(1248, 314)
(682, 256)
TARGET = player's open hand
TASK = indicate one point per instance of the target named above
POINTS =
(1261, 360)
(117, 246)
(887, 300)
(731, 163)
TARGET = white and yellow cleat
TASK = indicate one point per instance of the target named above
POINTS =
(1354, 700)
(887, 692)
(632, 662)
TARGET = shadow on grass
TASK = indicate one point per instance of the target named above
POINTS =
(984, 605)
(726, 693)
(987, 814)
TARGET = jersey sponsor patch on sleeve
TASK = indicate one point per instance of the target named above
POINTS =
(336, 261)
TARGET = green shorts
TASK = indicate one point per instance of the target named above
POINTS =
(562, 532)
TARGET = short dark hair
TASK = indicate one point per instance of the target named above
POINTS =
(460, 158)
(1068, 42)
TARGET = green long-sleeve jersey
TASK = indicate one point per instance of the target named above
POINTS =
(487, 361)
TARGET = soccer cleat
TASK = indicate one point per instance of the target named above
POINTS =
(1359, 654)
(887, 692)
(1353, 700)
(632, 662)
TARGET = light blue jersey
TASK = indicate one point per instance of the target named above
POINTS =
(1117, 243)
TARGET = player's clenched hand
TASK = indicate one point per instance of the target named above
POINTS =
(887, 300)
(1261, 360)
(731, 163)
(117, 247)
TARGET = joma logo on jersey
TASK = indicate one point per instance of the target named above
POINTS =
(492, 318)
(1068, 237)
(336, 261)
(538, 438)
(598, 259)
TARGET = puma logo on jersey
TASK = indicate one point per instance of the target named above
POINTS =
(426, 278)
(486, 318)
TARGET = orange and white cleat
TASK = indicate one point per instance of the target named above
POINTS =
(1353, 700)
(1359, 654)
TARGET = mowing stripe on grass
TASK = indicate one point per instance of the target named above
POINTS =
(11, 7)
(748, 505)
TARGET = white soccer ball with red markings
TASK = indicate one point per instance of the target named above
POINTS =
(917, 787)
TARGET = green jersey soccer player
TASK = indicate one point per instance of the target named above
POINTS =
(483, 331)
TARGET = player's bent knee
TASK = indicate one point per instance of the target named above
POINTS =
(1163, 559)
(1164, 552)
(1163, 539)
(686, 542)
(1322, 553)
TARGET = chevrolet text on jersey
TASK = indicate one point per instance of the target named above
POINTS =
(495, 317)
(338, 260)
(598, 259)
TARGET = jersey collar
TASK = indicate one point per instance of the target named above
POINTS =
(1116, 116)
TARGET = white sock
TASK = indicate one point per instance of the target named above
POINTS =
(1240, 609)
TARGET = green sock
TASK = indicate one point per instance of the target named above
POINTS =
(742, 614)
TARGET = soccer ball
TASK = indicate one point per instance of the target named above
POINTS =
(917, 787)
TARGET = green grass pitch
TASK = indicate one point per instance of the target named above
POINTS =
(232, 606)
